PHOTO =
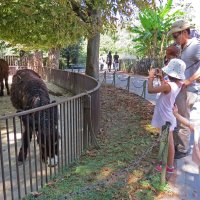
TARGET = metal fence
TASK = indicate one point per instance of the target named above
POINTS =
(77, 124)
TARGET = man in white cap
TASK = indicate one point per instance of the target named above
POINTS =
(190, 54)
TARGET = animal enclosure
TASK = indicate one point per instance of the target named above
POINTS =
(75, 119)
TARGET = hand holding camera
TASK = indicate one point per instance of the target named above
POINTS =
(155, 73)
(158, 73)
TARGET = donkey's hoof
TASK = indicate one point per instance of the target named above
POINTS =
(52, 161)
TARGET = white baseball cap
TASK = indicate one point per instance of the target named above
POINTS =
(175, 68)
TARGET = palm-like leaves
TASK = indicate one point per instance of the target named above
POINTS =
(154, 24)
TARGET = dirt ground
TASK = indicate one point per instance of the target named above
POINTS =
(118, 105)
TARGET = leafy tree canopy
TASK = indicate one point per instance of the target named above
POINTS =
(40, 24)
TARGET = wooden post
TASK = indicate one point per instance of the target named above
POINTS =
(163, 151)
(128, 83)
(104, 77)
(144, 89)
(114, 78)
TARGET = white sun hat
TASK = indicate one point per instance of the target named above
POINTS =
(178, 26)
(175, 68)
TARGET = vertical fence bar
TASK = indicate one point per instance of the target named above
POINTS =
(76, 120)
(29, 136)
(79, 127)
(40, 148)
(2, 168)
(45, 144)
(65, 140)
(71, 132)
(17, 164)
(9, 158)
(23, 163)
(35, 153)
(85, 122)
(49, 141)
(55, 133)
(67, 133)
(61, 132)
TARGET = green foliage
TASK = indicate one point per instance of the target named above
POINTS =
(39, 24)
(70, 55)
(120, 42)
(154, 25)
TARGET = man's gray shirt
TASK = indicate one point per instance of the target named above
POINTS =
(191, 56)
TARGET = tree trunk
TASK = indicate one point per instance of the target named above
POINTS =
(92, 62)
(53, 58)
(38, 61)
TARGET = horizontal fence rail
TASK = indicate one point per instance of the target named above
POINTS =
(57, 139)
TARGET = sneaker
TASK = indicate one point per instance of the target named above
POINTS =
(168, 169)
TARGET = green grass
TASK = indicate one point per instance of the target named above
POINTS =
(127, 136)
(122, 148)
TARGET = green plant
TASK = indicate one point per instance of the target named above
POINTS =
(151, 33)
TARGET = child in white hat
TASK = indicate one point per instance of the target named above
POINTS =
(163, 110)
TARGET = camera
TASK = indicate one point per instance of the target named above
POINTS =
(157, 71)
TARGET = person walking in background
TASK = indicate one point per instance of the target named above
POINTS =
(163, 109)
(190, 54)
(101, 62)
(109, 61)
(116, 61)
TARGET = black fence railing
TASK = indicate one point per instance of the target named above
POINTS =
(74, 130)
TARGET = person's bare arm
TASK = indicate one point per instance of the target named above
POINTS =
(194, 77)
(165, 88)
(182, 119)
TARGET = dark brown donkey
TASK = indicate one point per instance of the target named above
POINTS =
(29, 91)
(4, 72)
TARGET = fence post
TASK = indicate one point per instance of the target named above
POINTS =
(114, 78)
(104, 76)
(144, 89)
(128, 83)
(163, 150)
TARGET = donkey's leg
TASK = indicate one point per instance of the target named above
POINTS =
(2, 88)
(25, 145)
(53, 157)
(7, 86)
